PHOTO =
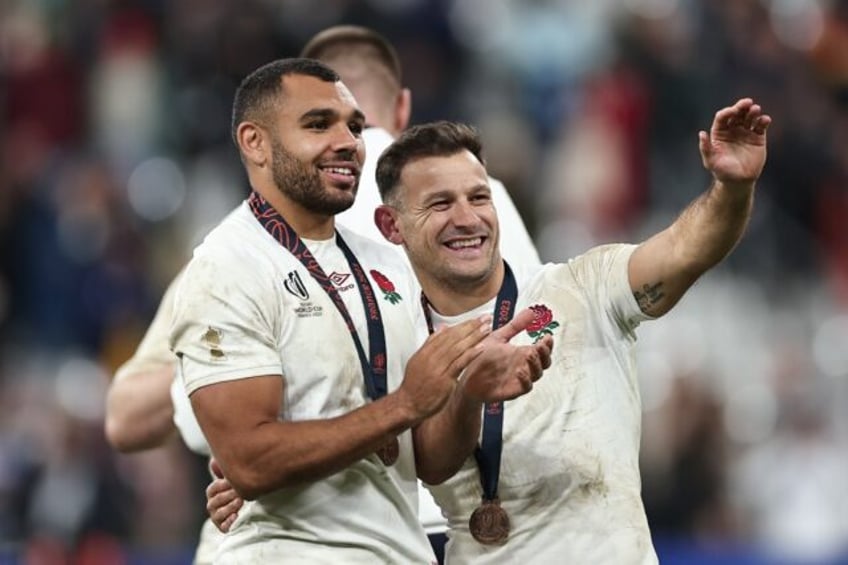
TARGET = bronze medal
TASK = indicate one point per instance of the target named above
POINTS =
(389, 452)
(489, 523)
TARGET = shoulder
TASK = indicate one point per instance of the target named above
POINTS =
(604, 257)
(595, 266)
(230, 256)
(376, 140)
(368, 249)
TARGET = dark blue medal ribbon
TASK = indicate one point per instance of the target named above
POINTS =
(488, 453)
(373, 371)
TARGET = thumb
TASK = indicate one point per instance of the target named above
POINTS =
(515, 326)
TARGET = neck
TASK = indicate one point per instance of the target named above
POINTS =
(305, 223)
(451, 299)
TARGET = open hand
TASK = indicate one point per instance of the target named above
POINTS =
(504, 371)
(734, 151)
(431, 374)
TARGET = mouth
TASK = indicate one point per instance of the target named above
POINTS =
(341, 175)
(466, 245)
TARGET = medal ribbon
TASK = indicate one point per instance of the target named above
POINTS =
(488, 453)
(373, 371)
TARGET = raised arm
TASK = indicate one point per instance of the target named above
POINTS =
(663, 268)
(502, 372)
(258, 453)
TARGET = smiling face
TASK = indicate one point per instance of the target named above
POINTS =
(447, 223)
(316, 147)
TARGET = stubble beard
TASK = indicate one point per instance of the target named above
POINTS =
(303, 184)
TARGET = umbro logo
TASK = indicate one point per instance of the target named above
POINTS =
(338, 279)
(295, 286)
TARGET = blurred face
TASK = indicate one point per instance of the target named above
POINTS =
(317, 148)
(447, 221)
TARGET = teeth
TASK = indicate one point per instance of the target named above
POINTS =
(465, 243)
(340, 170)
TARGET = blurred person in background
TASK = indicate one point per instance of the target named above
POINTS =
(145, 403)
(552, 476)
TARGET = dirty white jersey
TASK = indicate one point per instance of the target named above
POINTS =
(569, 475)
(247, 307)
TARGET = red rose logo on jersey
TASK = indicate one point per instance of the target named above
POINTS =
(386, 286)
(543, 322)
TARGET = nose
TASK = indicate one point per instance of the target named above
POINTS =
(464, 214)
(346, 140)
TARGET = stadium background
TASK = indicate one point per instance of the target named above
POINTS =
(115, 158)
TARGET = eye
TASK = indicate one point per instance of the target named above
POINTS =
(439, 205)
(356, 128)
(319, 125)
(481, 198)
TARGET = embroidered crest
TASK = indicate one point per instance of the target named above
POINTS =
(543, 322)
(386, 286)
(212, 338)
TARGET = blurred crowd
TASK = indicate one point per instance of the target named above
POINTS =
(115, 158)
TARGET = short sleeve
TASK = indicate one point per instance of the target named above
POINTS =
(603, 273)
(224, 322)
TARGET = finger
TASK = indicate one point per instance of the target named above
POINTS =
(705, 147)
(754, 112)
(461, 355)
(215, 504)
(485, 319)
(228, 523)
(515, 326)
(217, 486)
(223, 522)
(456, 340)
(762, 124)
(534, 364)
(232, 507)
(725, 116)
(545, 347)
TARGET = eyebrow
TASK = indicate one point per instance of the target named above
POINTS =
(328, 113)
(450, 194)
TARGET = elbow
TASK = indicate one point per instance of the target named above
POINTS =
(119, 435)
(435, 476)
(249, 482)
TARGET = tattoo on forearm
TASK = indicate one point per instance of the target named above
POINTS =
(649, 296)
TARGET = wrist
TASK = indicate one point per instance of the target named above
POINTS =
(739, 189)
(401, 411)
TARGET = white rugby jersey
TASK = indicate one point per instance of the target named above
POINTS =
(569, 475)
(247, 307)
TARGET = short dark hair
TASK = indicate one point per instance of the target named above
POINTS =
(355, 42)
(437, 139)
(261, 89)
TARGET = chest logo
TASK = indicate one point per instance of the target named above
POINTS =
(295, 286)
(340, 281)
(386, 286)
(543, 322)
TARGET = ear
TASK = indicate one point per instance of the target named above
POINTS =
(253, 144)
(387, 222)
(403, 109)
